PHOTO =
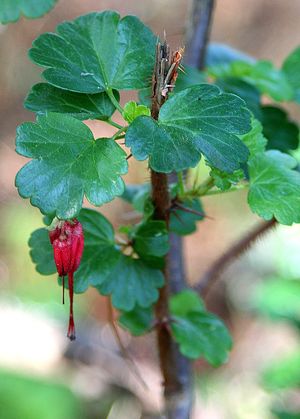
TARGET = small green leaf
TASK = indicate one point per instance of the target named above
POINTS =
(107, 53)
(67, 164)
(186, 301)
(45, 98)
(131, 282)
(136, 195)
(184, 222)
(282, 134)
(254, 139)
(198, 120)
(151, 239)
(278, 299)
(223, 180)
(12, 10)
(291, 68)
(284, 373)
(261, 74)
(132, 110)
(198, 333)
(41, 252)
(138, 321)
(275, 187)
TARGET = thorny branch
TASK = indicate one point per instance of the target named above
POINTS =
(235, 251)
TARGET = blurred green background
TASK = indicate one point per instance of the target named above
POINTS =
(42, 376)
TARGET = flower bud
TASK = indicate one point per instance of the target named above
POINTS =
(67, 241)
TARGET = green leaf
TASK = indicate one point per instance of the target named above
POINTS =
(151, 239)
(100, 252)
(138, 321)
(223, 180)
(261, 74)
(278, 299)
(41, 252)
(254, 139)
(45, 98)
(246, 91)
(198, 333)
(183, 222)
(291, 68)
(132, 110)
(218, 53)
(186, 301)
(67, 164)
(129, 281)
(285, 414)
(282, 134)
(275, 187)
(198, 120)
(12, 10)
(107, 53)
(284, 373)
(137, 195)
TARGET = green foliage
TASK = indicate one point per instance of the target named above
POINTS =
(129, 281)
(41, 252)
(132, 110)
(254, 139)
(275, 187)
(282, 134)
(34, 398)
(291, 69)
(138, 320)
(107, 53)
(68, 164)
(222, 54)
(246, 91)
(260, 74)
(198, 333)
(151, 241)
(12, 10)
(198, 120)
(183, 222)
(283, 373)
(278, 299)
(45, 98)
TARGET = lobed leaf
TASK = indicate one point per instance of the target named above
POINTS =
(261, 74)
(138, 321)
(198, 333)
(12, 10)
(183, 222)
(97, 52)
(275, 187)
(45, 98)
(282, 134)
(67, 164)
(198, 120)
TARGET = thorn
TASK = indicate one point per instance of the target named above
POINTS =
(190, 210)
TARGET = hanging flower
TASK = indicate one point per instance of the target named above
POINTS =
(67, 241)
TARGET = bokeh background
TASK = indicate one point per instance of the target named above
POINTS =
(42, 376)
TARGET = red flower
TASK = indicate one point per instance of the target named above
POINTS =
(67, 241)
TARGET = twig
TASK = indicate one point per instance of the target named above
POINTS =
(131, 364)
(236, 250)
